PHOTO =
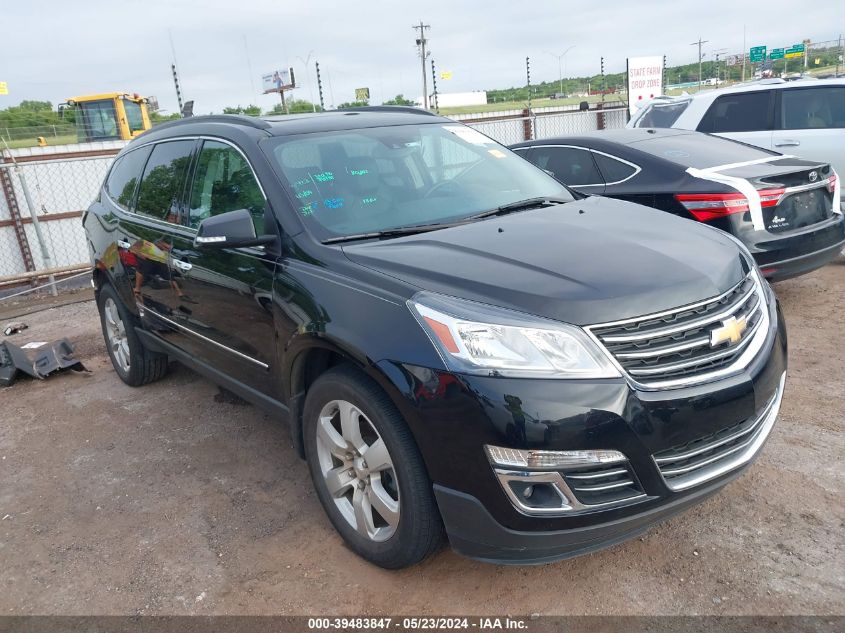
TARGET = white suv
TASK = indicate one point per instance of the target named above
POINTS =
(805, 118)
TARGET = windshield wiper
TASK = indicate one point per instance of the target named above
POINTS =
(402, 230)
(520, 205)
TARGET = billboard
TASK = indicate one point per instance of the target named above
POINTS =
(278, 80)
(362, 94)
(4, 88)
(645, 79)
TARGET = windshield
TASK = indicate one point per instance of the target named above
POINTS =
(662, 114)
(377, 179)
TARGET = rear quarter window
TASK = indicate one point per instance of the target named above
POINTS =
(740, 112)
(613, 170)
(124, 176)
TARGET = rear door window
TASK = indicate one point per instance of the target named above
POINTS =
(124, 176)
(821, 107)
(740, 112)
(163, 182)
(573, 166)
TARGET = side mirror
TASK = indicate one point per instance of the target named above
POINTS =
(234, 229)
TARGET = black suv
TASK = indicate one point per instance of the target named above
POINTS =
(456, 340)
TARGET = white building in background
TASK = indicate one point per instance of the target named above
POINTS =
(455, 99)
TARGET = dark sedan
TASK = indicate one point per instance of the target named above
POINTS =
(784, 209)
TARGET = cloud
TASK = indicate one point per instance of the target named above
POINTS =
(61, 49)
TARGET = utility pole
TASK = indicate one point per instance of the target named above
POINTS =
(421, 42)
(744, 52)
(839, 56)
(319, 86)
(699, 43)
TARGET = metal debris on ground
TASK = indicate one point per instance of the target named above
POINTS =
(46, 359)
(14, 328)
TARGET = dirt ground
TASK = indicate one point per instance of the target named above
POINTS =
(172, 500)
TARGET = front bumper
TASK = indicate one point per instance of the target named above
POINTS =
(474, 533)
(452, 417)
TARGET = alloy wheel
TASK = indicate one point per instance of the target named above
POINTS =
(358, 470)
(116, 334)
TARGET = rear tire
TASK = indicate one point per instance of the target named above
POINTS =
(385, 509)
(133, 362)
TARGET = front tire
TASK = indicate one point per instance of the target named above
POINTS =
(134, 363)
(367, 470)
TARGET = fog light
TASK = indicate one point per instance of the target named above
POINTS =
(528, 492)
(549, 460)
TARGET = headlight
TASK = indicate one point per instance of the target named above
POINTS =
(479, 339)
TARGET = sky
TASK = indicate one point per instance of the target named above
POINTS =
(57, 49)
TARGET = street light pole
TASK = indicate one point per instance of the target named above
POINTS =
(560, 58)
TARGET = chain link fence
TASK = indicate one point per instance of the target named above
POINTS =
(42, 199)
(544, 123)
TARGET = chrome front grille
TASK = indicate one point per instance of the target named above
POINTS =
(690, 343)
(713, 455)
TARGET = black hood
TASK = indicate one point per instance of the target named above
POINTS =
(587, 261)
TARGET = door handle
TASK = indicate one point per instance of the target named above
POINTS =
(123, 244)
(182, 265)
(787, 143)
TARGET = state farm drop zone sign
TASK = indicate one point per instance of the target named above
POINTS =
(645, 80)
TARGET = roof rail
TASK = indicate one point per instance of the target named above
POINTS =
(238, 119)
(388, 108)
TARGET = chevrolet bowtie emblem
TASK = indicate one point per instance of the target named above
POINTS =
(730, 331)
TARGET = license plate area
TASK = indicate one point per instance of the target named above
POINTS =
(798, 210)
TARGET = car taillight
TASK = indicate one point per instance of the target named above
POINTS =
(708, 206)
(770, 197)
(831, 183)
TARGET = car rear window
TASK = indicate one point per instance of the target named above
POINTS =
(662, 114)
(699, 150)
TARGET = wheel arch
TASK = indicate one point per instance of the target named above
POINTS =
(313, 358)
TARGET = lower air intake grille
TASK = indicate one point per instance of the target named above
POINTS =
(713, 455)
(600, 485)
